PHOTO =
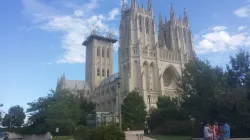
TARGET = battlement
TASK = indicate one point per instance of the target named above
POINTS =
(96, 35)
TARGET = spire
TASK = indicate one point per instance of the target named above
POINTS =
(172, 14)
(160, 20)
(149, 5)
(63, 77)
(58, 81)
(133, 3)
(185, 16)
(123, 5)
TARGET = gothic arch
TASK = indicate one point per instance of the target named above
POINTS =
(146, 75)
(147, 25)
(98, 51)
(153, 77)
(170, 77)
(103, 52)
(107, 52)
(140, 23)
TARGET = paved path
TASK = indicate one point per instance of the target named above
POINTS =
(134, 137)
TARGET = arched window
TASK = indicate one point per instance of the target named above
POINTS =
(98, 72)
(98, 52)
(147, 27)
(184, 35)
(140, 23)
(103, 72)
(107, 53)
(103, 52)
(165, 37)
(108, 73)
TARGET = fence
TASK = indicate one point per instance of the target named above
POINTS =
(101, 118)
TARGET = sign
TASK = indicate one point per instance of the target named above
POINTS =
(57, 130)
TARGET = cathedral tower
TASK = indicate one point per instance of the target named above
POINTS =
(137, 52)
(99, 58)
(147, 62)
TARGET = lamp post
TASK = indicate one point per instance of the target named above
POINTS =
(119, 102)
(149, 98)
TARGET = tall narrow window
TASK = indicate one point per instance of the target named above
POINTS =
(103, 52)
(147, 28)
(184, 34)
(98, 72)
(140, 23)
(103, 72)
(98, 51)
(108, 73)
(107, 53)
(165, 37)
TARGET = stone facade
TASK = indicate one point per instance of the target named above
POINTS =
(149, 62)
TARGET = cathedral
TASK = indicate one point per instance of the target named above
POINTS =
(150, 61)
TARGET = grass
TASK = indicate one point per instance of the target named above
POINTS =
(62, 138)
(168, 137)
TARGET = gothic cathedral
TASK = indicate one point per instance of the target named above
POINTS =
(150, 62)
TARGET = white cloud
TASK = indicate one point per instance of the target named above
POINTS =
(220, 41)
(242, 28)
(74, 27)
(243, 12)
(113, 13)
(219, 28)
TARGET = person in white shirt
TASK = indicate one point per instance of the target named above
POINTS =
(208, 133)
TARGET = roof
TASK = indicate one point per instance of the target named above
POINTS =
(76, 84)
(98, 37)
(109, 79)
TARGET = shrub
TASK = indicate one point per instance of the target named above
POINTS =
(111, 132)
(173, 127)
(82, 133)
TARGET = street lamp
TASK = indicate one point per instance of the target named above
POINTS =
(119, 102)
(149, 97)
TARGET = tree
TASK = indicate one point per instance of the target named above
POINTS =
(168, 118)
(239, 70)
(61, 109)
(201, 84)
(1, 105)
(14, 118)
(133, 111)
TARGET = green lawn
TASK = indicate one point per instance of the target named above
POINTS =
(62, 138)
(168, 137)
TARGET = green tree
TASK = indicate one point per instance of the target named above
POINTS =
(133, 111)
(168, 118)
(61, 109)
(201, 84)
(1, 113)
(239, 70)
(14, 118)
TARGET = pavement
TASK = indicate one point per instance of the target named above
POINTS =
(134, 137)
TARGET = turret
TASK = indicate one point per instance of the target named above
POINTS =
(172, 14)
(185, 19)
(160, 20)
(150, 5)
(133, 4)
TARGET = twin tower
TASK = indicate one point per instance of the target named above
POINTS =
(149, 61)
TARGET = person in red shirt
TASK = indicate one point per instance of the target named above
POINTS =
(216, 130)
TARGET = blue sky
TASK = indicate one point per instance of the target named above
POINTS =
(41, 39)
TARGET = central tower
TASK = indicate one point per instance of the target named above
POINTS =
(99, 58)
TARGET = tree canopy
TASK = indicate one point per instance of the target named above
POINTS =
(211, 93)
(59, 109)
(133, 111)
(14, 118)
